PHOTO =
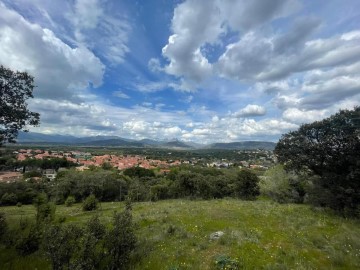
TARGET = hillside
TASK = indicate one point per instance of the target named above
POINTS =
(116, 141)
(176, 144)
(244, 145)
(175, 234)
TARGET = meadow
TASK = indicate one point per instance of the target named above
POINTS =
(175, 234)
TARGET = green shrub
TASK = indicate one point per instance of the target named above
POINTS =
(70, 201)
(3, 226)
(247, 185)
(9, 199)
(121, 240)
(225, 262)
(60, 243)
(45, 210)
(281, 186)
(90, 203)
(29, 241)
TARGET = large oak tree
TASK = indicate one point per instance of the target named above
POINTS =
(328, 150)
(15, 88)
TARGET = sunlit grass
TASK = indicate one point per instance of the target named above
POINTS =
(174, 234)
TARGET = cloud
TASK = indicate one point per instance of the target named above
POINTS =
(251, 111)
(59, 70)
(246, 15)
(154, 65)
(302, 116)
(120, 94)
(189, 34)
(97, 28)
(196, 24)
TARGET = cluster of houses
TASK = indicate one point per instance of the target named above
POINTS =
(86, 160)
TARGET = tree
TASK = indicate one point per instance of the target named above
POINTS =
(121, 240)
(329, 151)
(247, 185)
(90, 203)
(15, 89)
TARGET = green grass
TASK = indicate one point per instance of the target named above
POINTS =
(174, 234)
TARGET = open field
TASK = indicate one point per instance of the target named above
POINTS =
(174, 234)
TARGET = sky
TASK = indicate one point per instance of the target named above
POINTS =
(195, 70)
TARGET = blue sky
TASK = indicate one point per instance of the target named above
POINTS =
(195, 70)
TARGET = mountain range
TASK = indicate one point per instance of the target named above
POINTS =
(115, 141)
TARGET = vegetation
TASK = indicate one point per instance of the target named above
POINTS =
(175, 234)
(319, 164)
(90, 203)
(328, 153)
(282, 186)
(15, 89)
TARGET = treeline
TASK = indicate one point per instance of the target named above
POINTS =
(9, 162)
(138, 184)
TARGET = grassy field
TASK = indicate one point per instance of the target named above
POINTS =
(174, 234)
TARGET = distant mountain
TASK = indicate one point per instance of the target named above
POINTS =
(95, 139)
(113, 142)
(244, 145)
(116, 141)
(150, 142)
(34, 137)
(176, 144)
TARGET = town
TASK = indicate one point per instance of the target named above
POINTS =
(84, 160)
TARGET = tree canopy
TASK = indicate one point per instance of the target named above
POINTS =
(329, 150)
(15, 89)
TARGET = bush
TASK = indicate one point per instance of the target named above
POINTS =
(139, 172)
(90, 203)
(281, 186)
(91, 251)
(247, 185)
(9, 199)
(60, 243)
(3, 226)
(29, 241)
(69, 201)
(225, 262)
(45, 210)
(121, 240)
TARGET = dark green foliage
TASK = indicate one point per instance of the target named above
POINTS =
(91, 250)
(3, 226)
(105, 185)
(15, 89)
(106, 166)
(138, 190)
(225, 262)
(29, 240)
(282, 186)
(138, 172)
(120, 240)
(9, 199)
(70, 201)
(247, 185)
(329, 150)
(45, 210)
(46, 163)
(159, 192)
(60, 243)
(32, 174)
(90, 203)
(96, 228)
